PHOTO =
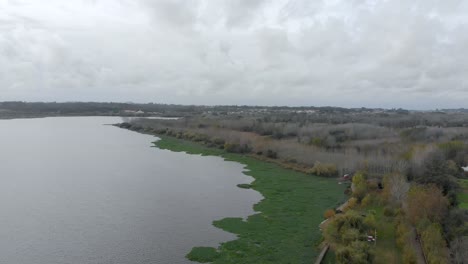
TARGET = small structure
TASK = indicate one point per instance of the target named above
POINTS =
(345, 178)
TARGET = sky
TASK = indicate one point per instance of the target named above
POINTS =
(349, 53)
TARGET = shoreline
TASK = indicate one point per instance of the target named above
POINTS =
(284, 228)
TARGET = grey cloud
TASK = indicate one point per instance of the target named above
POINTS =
(224, 52)
(241, 13)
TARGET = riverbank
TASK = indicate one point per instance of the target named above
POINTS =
(285, 229)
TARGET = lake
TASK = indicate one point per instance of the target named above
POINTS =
(74, 190)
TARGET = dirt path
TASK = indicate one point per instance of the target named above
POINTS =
(417, 248)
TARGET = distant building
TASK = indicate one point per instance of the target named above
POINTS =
(465, 168)
(133, 112)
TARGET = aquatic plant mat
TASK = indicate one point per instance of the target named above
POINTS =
(285, 227)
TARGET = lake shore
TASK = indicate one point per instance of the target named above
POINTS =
(285, 228)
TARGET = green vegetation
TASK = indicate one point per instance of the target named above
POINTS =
(463, 196)
(286, 228)
(463, 200)
(203, 254)
(347, 235)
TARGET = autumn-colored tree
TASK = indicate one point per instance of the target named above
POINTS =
(434, 244)
(426, 202)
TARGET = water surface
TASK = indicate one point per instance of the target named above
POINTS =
(73, 190)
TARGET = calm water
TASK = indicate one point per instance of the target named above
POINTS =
(75, 191)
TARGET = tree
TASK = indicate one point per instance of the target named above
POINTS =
(359, 186)
(459, 250)
(434, 244)
(426, 202)
(437, 171)
(358, 252)
(396, 188)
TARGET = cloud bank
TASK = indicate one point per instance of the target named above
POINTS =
(392, 53)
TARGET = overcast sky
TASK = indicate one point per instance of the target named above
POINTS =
(394, 53)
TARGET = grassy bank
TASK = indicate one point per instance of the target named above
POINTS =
(285, 229)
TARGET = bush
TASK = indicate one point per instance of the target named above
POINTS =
(218, 141)
(237, 148)
(229, 147)
(318, 142)
(329, 213)
(409, 256)
(352, 202)
(271, 154)
(324, 170)
(368, 200)
(402, 234)
(388, 211)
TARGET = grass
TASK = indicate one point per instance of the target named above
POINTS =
(463, 196)
(386, 251)
(463, 183)
(285, 227)
(463, 200)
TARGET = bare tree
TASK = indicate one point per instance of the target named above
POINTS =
(459, 250)
(396, 187)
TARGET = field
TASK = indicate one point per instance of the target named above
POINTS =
(285, 229)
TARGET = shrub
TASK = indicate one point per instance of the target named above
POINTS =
(318, 142)
(237, 148)
(409, 256)
(329, 213)
(231, 147)
(388, 211)
(218, 141)
(324, 170)
(368, 200)
(352, 202)
(161, 131)
(271, 154)
(402, 234)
